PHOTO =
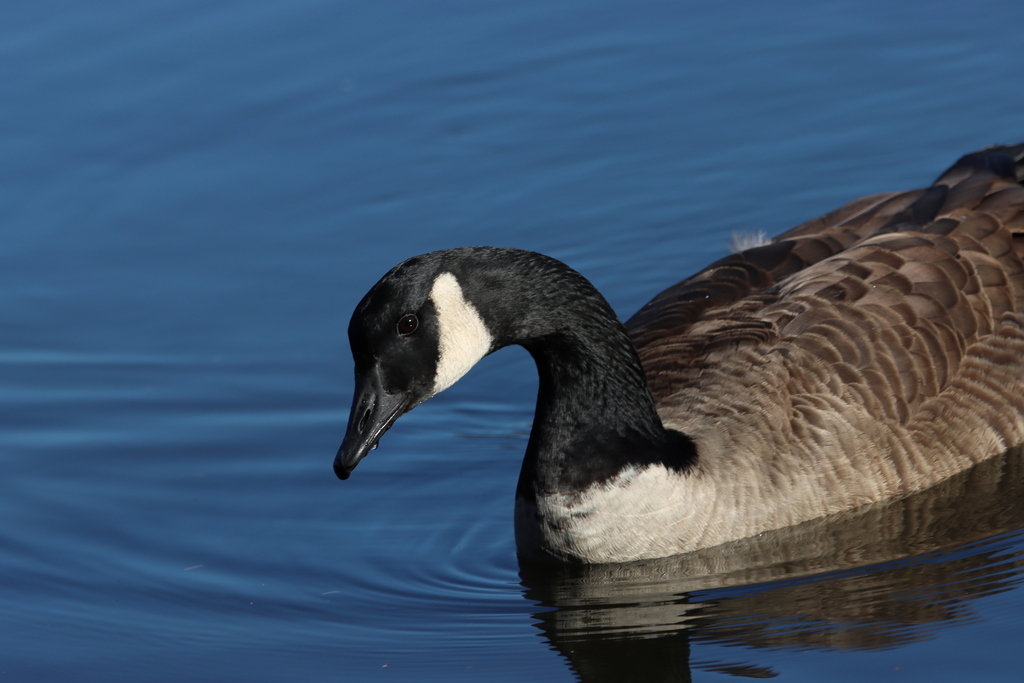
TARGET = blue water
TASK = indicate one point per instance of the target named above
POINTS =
(193, 197)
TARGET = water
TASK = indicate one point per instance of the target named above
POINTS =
(195, 195)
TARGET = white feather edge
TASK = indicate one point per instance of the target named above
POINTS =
(741, 241)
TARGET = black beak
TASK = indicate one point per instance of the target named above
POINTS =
(373, 412)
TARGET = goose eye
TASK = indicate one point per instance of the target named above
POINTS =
(408, 324)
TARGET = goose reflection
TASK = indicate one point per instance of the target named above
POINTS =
(878, 577)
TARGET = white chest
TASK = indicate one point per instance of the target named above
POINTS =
(641, 513)
(651, 512)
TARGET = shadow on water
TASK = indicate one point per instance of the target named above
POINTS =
(879, 577)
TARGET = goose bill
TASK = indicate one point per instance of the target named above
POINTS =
(373, 412)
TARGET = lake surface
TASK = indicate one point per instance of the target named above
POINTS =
(194, 196)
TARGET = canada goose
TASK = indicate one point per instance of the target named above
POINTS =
(862, 355)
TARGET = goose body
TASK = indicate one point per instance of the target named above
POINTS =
(863, 355)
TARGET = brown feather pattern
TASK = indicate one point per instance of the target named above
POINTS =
(874, 350)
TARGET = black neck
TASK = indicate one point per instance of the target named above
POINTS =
(595, 413)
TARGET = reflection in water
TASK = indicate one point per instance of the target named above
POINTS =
(928, 556)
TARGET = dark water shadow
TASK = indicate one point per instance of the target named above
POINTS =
(879, 577)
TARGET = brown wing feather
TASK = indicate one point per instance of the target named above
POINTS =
(884, 303)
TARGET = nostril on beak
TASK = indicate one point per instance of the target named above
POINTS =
(365, 417)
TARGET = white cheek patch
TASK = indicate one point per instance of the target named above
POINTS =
(463, 338)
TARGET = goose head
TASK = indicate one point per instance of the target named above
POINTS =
(413, 335)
